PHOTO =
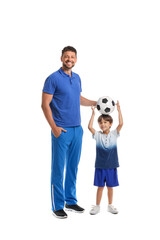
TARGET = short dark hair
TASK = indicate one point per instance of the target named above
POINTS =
(107, 118)
(69, 48)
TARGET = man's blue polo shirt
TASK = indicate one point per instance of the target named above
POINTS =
(65, 104)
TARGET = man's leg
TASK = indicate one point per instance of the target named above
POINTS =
(59, 148)
(72, 161)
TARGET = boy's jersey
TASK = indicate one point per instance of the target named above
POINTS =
(106, 150)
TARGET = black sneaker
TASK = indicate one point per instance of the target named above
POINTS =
(74, 208)
(60, 214)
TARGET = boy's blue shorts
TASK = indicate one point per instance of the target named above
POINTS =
(106, 175)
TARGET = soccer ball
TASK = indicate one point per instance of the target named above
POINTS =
(105, 105)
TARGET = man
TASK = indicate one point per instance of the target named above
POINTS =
(61, 100)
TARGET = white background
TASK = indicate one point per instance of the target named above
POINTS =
(119, 56)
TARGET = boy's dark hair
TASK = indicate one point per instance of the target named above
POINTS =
(69, 48)
(107, 118)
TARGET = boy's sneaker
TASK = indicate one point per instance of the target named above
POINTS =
(74, 208)
(60, 214)
(112, 209)
(95, 210)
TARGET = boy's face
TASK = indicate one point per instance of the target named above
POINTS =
(105, 125)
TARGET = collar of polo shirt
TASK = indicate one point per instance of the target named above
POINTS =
(65, 74)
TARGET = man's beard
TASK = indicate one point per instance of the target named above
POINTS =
(68, 68)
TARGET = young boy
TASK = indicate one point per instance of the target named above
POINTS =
(106, 157)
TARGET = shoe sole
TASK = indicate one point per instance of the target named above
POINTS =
(113, 212)
(93, 213)
(72, 210)
(60, 217)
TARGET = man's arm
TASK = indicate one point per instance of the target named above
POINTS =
(86, 102)
(90, 125)
(46, 99)
(120, 118)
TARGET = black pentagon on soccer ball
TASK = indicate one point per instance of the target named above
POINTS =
(98, 107)
(107, 110)
(113, 103)
(104, 100)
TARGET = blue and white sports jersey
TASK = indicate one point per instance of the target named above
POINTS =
(106, 150)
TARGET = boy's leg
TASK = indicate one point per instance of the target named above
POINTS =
(72, 161)
(111, 208)
(110, 195)
(112, 181)
(99, 195)
(99, 181)
(96, 209)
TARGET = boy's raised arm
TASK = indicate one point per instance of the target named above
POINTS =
(120, 117)
(90, 125)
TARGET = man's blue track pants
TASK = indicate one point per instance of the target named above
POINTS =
(66, 152)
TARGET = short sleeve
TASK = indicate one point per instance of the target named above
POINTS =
(95, 136)
(115, 133)
(49, 85)
(80, 84)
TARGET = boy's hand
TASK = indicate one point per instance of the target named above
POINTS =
(120, 117)
(93, 110)
(118, 106)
